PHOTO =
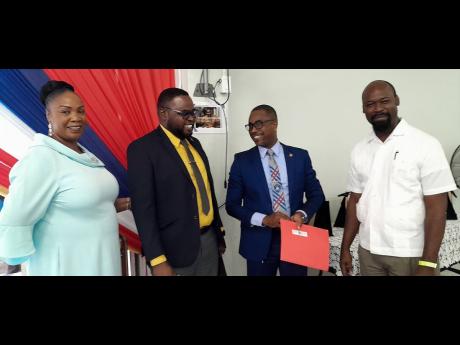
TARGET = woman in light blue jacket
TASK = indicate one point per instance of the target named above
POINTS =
(60, 213)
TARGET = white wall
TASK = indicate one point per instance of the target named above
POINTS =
(320, 110)
(214, 145)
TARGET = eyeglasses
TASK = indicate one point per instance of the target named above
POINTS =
(257, 125)
(186, 113)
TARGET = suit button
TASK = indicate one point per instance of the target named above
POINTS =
(195, 217)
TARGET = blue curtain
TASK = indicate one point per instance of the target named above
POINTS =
(23, 99)
(20, 92)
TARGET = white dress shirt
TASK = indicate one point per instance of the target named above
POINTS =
(393, 177)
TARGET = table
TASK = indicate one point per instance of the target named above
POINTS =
(449, 253)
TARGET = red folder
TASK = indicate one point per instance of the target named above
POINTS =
(307, 246)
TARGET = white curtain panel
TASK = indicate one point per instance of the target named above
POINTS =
(126, 219)
(15, 135)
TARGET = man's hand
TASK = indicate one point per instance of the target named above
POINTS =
(163, 269)
(435, 224)
(425, 271)
(349, 233)
(298, 218)
(346, 265)
(273, 220)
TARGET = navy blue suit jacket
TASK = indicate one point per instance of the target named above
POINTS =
(248, 193)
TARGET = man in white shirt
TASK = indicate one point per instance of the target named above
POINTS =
(399, 179)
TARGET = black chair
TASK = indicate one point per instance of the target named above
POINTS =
(451, 215)
(11, 269)
(340, 219)
(322, 219)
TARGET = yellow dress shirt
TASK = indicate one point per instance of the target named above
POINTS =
(205, 219)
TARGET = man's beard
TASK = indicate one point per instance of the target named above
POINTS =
(179, 132)
(382, 126)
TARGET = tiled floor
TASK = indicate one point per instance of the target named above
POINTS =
(443, 273)
(3, 270)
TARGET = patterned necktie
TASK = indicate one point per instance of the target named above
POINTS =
(198, 177)
(278, 198)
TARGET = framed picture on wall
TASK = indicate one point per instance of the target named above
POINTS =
(211, 118)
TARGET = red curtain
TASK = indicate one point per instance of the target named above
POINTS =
(121, 107)
(6, 163)
(120, 103)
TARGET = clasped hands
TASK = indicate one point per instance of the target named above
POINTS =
(273, 220)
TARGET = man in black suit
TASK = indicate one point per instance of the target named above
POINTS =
(172, 193)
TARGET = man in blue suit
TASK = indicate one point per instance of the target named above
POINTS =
(268, 183)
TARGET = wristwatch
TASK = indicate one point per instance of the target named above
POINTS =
(304, 219)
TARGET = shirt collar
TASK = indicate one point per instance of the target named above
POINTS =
(400, 130)
(174, 140)
(86, 158)
(277, 148)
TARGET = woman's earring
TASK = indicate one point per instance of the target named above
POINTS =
(50, 129)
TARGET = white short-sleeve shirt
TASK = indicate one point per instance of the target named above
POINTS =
(393, 177)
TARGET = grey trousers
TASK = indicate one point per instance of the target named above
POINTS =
(206, 264)
(384, 265)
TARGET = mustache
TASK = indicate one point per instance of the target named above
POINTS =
(380, 114)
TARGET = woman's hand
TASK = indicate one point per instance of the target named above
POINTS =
(123, 204)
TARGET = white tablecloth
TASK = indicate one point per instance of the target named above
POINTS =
(449, 253)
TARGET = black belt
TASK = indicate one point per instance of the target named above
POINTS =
(205, 229)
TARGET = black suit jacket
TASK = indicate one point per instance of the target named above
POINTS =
(164, 200)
